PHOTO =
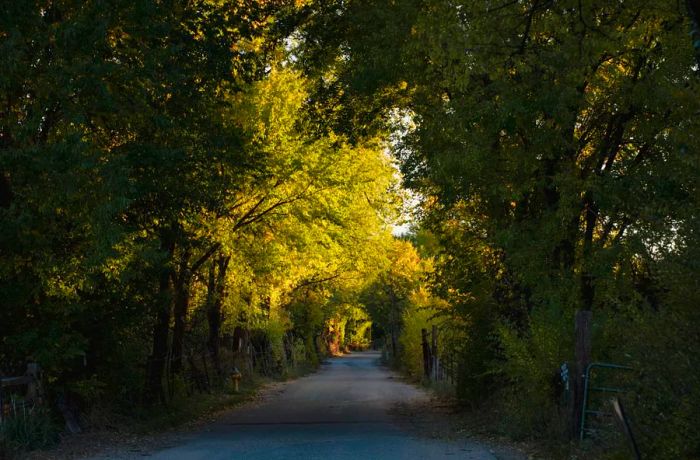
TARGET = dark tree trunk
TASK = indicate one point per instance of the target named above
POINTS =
(240, 339)
(563, 254)
(394, 346)
(161, 328)
(694, 14)
(427, 358)
(216, 292)
(587, 281)
(582, 331)
(182, 302)
(5, 191)
(212, 340)
(241, 347)
(5, 183)
(582, 353)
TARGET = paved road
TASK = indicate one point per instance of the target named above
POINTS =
(340, 412)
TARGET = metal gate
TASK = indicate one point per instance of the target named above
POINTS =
(588, 387)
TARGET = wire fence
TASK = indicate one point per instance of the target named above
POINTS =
(201, 371)
(445, 369)
(439, 365)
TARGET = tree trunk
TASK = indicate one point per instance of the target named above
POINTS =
(582, 353)
(216, 291)
(5, 191)
(583, 317)
(694, 15)
(161, 328)
(182, 302)
(434, 353)
(587, 286)
(394, 347)
(427, 358)
(212, 316)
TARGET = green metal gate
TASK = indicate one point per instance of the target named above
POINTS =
(587, 387)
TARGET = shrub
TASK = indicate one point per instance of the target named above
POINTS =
(531, 362)
(26, 430)
(414, 319)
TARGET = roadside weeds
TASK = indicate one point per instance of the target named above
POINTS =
(114, 436)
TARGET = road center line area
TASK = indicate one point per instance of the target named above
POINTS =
(320, 422)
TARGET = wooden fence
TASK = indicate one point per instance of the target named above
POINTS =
(19, 394)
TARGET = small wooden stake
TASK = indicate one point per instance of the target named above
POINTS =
(434, 353)
(621, 418)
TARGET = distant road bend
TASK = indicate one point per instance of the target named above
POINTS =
(340, 412)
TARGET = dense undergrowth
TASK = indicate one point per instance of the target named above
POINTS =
(42, 428)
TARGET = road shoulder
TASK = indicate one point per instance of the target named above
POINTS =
(441, 418)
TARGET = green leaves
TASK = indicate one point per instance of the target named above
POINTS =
(108, 129)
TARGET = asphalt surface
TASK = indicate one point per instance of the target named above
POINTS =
(341, 412)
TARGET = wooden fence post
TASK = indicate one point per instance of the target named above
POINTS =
(434, 353)
(34, 392)
(427, 359)
(582, 353)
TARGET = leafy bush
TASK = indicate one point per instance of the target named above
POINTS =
(415, 318)
(530, 366)
(663, 402)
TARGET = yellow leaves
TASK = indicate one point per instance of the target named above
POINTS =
(269, 109)
(611, 73)
(116, 36)
(331, 194)
(585, 153)
(246, 45)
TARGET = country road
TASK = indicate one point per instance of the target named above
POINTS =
(340, 412)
